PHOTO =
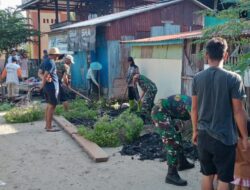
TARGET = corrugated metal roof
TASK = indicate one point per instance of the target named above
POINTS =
(179, 36)
(123, 14)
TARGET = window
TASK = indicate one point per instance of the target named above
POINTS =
(52, 20)
(47, 20)
(197, 19)
(44, 20)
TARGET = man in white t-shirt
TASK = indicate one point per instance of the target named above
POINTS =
(12, 72)
(13, 54)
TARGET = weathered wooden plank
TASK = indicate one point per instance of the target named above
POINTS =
(66, 125)
(92, 149)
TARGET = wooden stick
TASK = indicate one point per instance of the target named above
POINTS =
(79, 94)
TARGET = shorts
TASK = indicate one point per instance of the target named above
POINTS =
(51, 96)
(12, 90)
(216, 157)
(62, 93)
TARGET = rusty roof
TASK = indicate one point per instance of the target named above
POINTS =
(126, 13)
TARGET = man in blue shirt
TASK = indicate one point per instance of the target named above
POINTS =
(50, 85)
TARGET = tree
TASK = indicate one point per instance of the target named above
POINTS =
(235, 29)
(14, 30)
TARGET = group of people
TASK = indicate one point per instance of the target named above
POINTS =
(56, 77)
(166, 114)
(220, 126)
(15, 70)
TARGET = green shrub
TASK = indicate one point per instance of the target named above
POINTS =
(5, 107)
(130, 126)
(78, 104)
(104, 134)
(59, 110)
(24, 114)
(78, 108)
(107, 133)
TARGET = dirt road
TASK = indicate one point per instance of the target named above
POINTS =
(32, 159)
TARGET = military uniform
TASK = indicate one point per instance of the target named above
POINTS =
(62, 69)
(150, 90)
(167, 114)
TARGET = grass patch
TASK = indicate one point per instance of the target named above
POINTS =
(78, 109)
(24, 114)
(5, 107)
(113, 133)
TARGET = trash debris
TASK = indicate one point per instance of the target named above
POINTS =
(150, 147)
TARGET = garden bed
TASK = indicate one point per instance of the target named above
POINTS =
(109, 125)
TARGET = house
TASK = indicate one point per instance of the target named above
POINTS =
(170, 61)
(46, 15)
(98, 39)
(47, 18)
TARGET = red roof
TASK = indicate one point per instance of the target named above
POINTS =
(184, 35)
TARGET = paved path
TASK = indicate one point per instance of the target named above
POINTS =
(32, 159)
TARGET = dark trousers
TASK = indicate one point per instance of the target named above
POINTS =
(90, 86)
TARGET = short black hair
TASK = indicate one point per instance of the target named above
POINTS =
(216, 47)
(14, 59)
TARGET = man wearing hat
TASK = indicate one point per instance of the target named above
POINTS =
(50, 85)
(64, 75)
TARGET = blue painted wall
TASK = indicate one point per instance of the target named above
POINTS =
(79, 70)
(102, 57)
(114, 62)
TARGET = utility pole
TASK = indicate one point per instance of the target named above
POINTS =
(216, 5)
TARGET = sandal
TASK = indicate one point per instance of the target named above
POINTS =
(53, 130)
(53, 126)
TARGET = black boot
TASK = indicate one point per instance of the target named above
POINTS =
(174, 178)
(183, 164)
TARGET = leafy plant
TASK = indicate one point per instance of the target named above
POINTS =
(104, 134)
(59, 110)
(24, 114)
(108, 133)
(5, 107)
(14, 29)
(78, 108)
(130, 126)
(234, 29)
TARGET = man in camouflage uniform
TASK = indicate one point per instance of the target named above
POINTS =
(167, 115)
(64, 76)
(146, 101)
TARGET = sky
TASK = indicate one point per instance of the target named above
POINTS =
(9, 3)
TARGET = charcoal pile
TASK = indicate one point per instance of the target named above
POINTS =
(150, 147)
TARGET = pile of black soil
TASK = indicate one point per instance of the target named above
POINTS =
(86, 122)
(113, 113)
(150, 147)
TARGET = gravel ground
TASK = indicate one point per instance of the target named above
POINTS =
(32, 159)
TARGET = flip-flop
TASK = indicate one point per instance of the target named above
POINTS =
(53, 126)
(53, 130)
